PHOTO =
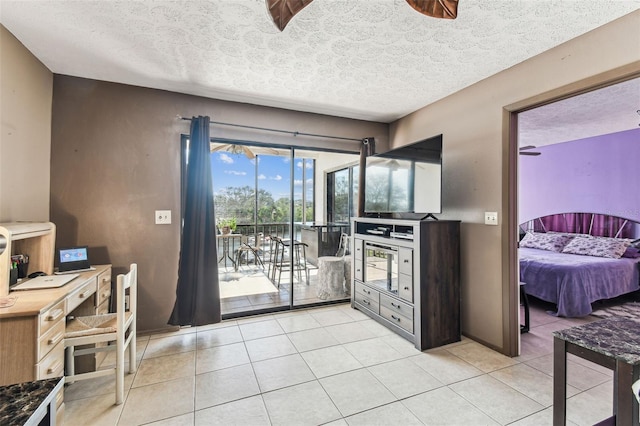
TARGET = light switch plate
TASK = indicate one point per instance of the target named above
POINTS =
(490, 218)
(163, 217)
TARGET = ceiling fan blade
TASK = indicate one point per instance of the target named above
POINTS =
(529, 153)
(522, 148)
(223, 147)
(250, 155)
(447, 9)
(283, 10)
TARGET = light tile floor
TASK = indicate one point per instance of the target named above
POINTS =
(335, 366)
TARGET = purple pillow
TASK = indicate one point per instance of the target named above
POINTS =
(601, 247)
(632, 253)
(545, 241)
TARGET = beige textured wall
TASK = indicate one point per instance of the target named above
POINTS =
(25, 132)
(116, 159)
(474, 179)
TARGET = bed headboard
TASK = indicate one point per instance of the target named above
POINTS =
(595, 224)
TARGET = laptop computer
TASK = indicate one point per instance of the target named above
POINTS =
(45, 281)
(73, 259)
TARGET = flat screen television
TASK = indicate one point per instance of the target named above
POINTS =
(405, 180)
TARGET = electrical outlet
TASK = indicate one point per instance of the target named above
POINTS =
(490, 218)
(163, 217)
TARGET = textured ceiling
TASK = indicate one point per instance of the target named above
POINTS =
(366, 59)
(608, 110)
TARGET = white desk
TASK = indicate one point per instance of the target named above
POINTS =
(32, 330)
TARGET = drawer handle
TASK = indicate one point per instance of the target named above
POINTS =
(406, 261)
(54, 315)
(395, 306)
(106, 279)
(105, 295)
(366, 301)
(53, 368)
(366, 291)
(55, 339)
(395, 318)
(81, 295)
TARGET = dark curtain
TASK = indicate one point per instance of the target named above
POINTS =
(198, 291)
(367, 148)
(599, 225)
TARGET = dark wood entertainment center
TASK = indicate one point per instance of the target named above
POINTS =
(406, 276)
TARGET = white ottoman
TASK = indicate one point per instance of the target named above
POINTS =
(330, 277)
(347, 275)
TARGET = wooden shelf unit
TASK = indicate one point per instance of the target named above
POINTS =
(36, 239)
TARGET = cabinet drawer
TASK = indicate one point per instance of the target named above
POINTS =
(80, 295)
(395, 305)
(52, 365)
(358, 248)
(50, 317)
(367, 297)
(368, 302)
(104, 287)
(405, 287)
(367, 291)
(51, 338)
(397, 319)
(405, 261)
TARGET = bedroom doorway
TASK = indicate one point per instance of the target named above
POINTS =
(539, 131)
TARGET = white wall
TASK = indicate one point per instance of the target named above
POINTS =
(328, 162)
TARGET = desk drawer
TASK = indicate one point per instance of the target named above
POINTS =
(80, 295)
(51, 338)
(52, 365)
(104, 291)
(396, 318)
(104, 287)
(50, 317)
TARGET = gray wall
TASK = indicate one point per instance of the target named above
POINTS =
(115, 159)
(476, 156)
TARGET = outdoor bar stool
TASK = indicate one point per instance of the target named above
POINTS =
(297, 254)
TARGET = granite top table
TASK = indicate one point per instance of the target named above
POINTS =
(28, 403)
(613, 343)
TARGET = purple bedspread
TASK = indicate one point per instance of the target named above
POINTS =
(573, 281)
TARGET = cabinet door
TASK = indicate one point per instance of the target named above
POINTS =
(358, 248)
(405, 287)
(405, 261)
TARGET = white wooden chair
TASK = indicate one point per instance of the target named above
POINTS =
(118, 328)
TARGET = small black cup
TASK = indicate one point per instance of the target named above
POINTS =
(23, 268)
(13, 276)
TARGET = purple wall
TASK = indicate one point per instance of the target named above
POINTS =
(595, 175)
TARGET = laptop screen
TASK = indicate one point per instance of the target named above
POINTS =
(73, 258)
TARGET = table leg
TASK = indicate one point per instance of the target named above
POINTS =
(559, 382)
(625, 405)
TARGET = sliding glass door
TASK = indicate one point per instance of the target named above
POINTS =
(271, 217)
